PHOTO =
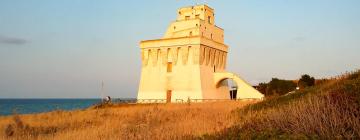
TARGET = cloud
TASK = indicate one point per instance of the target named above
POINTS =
(12, 40)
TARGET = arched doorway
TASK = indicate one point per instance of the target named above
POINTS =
(243, 89)
(230, 85)
(233, 86)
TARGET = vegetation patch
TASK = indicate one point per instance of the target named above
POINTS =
(327, 111)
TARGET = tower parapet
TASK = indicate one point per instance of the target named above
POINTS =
(195, 21)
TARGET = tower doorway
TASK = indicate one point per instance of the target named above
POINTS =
(168, 96)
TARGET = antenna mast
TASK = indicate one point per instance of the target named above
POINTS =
(102, 90)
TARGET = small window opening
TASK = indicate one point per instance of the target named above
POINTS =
(211, 36)
(214, 68)
(179, 13)
(209, 19)
(197, 25)
(169, 67)
(190, 34)
(187, 17)
(178, 51)
(174, 27)
(197, 16)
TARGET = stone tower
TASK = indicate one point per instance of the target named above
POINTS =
(189, 61)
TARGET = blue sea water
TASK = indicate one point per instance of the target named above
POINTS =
(29, 106)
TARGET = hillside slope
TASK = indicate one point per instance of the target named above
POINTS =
(327, 111)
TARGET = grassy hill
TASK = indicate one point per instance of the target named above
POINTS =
(327, 111)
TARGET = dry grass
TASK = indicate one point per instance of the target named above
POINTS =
(162, 121)
(328, 111)
(325, 117)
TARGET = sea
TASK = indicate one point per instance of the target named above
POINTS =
(30, 106)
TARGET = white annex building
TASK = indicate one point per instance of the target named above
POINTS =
(189, 62)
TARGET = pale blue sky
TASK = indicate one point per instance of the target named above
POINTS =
(65, 48)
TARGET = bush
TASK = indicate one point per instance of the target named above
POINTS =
(279, 87)
(306, 81)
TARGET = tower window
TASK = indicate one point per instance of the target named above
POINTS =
(211, 36)
(169, 67)
(209, 19)
(187, 17)
(174, 27)
(214, 68)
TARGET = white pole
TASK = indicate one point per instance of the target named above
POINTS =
(102, 91)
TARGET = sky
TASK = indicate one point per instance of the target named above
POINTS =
(65, 48)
